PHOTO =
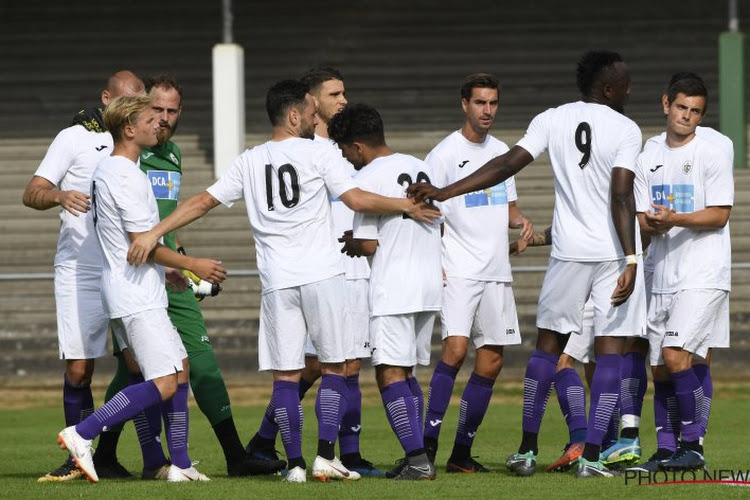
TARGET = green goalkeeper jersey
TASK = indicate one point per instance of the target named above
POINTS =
(163, 166)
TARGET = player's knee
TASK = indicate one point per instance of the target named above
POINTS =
(167, 386)
(454, 351)
(79, 371)
(676, 360)
(565, 362)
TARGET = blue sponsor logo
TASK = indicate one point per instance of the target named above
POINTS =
(496, 195)
(677, 197)
(166, 185)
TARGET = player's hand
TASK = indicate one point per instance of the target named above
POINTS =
(422, 212)
(209, 269)
(176, 281)
(527, 228)
(517, 247)
(661, 218)
(141, 248)
(625, 286)
(350, 247)
(421, 191)
(75, 202)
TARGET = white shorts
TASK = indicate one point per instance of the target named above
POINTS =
(569, 285)
(81, 320)
(356, 321)
(154, 341)
(580, 346)
(401, 339)
(289, 315)
(689, 319)
(485, 311)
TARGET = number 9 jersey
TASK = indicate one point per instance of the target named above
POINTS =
(585, 142)
(285, 186)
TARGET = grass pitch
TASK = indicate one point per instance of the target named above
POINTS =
(29, 451)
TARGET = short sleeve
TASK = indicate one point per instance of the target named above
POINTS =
(60, 156)
(630, 147)
(334, 170)
(640, 188)
(440, 170)
(719, 181)
(133, 202)
(230, 186)
(510, 188)
(536, 139)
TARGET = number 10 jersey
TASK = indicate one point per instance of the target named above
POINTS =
(585, 142)
(285, 185)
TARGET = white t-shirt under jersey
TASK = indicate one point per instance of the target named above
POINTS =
(356, 268)
(285, 185)
(585, 142)
(687, 179)
(405, 275)
(714, 137)
(69, 164)
(475, 240)
(123, 202)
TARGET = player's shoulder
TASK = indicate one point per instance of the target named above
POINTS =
(708, 147)
(497, 144)
(718, 139)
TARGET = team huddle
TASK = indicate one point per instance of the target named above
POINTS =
(639, 268)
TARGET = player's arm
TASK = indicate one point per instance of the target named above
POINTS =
(363, 201)
(493, 172)
(622, 206)
(662, 219)
(207, 269)
(192, 209)
(41, 194)
(517, 220)
(536, 240)
(357, 247)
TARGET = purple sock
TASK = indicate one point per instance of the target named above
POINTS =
(666, 415)
(438, 397)
(304, 386)
(268, 428)
(148, 428)
(614, 426)
(690, 402)
(572, 398)
(537, 385)
(123, 406)
(703, 372)
(78, 403)
(632, 388)
(416, 391)
(605, 392)
(474, 403)
(175, 413)
(402, 415)
(351, 423)
(330, 406)
(288, 415)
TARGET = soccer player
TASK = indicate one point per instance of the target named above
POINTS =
(285, 183)
(478, 301)
(327, 87)
(687, 196)
(405, 278)
(162, 164)
(123, 206)
(593, 148)
(63, 180)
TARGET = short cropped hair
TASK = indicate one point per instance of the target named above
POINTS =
(686, 83)
(165, 82)
(316, 77)
(478, 80)
(282, 96)
(357, 122)
(592, 66)
(123, 111)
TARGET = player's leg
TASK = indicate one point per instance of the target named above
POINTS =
(702, 369)
(395, 351)
(571, 396)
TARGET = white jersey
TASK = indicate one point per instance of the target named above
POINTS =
(687, 179)
(475, 239)
(585, 142)
(343, 216)
(405, 275)
(123, 202)
(285, 185)
(69, 163)
(714, 137)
